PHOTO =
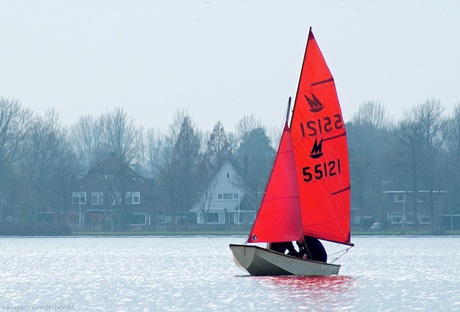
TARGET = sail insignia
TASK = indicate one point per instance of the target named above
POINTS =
(316, 151)
(315, 104)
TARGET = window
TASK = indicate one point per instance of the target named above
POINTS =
(97, 198)
(79, 198)
(115, 198)
(138, 219)
(422, 198)
(400, 198)
(396, 217)
(212, 217)
(227, 196)
(228, 175)
(424, 218)
(133, 198)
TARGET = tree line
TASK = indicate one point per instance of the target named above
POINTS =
(41, 160)
(420, 151)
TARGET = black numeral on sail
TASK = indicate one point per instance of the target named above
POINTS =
(321, 170)
(322, 125)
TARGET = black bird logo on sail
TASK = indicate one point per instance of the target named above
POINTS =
(315, 104)
(317, 150)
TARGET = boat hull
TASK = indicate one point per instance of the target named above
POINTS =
(261, 261)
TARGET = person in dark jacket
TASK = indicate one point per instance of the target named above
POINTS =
(282, 247)
(313, 249)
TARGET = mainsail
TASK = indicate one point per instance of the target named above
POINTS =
(308, 192)
(320, 150)
(279, 216)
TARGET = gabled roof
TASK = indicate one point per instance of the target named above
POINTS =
(112, 171)
(112, 164)
(238, 168)
(209, 195)
(234, 165)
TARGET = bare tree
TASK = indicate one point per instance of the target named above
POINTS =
(407, 152)
(434, 131)
(153, 148)
(218, 149)
(205, 200)
(121, 135)
(187, 156)
(167, 176)
(367, 144)
(13, 132)
(115, 132)
(372, 114)
(419, 139)
(245, 126)
(44, 165)
(452, 162)
(88, 141)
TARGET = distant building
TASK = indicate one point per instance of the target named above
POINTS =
(112, 196)
(407, 209)
(225, 200)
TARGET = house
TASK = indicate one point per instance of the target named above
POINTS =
(406, 208)
(112, 196)
(225, 201)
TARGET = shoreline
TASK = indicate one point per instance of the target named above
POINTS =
(191, 233)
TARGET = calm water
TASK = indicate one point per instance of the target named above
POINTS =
(198, 274)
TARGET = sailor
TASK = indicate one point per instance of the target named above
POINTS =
(313, 249)
(282, 247)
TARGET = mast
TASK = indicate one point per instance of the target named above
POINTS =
(288, 111)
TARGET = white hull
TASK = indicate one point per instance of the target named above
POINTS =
(260, 261)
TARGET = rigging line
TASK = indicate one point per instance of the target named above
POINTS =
(337, 252)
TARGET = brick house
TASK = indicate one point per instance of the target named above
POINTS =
(405, 208)
(112, 196)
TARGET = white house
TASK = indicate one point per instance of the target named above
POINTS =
(224, 201)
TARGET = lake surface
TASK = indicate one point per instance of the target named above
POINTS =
(198, 274)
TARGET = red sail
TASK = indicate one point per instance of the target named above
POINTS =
(279, 217)
(320, 149)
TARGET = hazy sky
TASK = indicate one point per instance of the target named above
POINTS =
(222, 60)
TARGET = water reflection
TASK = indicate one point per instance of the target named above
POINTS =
(311, 283)
(320, 293)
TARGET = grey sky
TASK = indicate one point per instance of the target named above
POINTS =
(222, 60)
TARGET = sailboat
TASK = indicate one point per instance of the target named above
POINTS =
(308, 192)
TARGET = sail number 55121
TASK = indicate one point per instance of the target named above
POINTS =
(322, 170)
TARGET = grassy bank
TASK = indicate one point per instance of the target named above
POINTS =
(33, 229)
